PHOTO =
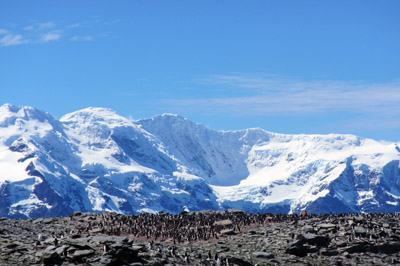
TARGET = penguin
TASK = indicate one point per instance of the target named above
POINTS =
(173, 254)
(105, 248)
(37, 243)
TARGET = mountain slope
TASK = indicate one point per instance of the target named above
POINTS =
(220, 157)
(97, 160)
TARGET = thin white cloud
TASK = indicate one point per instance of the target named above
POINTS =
(370, 123)
(44, 32)
(276, 95)
(47, 25)
(28, 28)
(82, 38)
(337, 106)
(12, 40)
(266, 96)
(50, 36)
(76, 25)
(246, 81)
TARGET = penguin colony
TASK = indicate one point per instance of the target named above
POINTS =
(179, 228)
(202, 238)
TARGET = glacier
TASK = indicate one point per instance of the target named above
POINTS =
(94, 160)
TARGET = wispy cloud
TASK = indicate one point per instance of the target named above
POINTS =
(258, 95)
(277, 95)
(28, 28)
(82, 38)
(50, 36)
(75, 25)
(11, 40)
(47, 25)
(44, 32)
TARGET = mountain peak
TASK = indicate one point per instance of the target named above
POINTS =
(10, 113)
(14, 109)
(93, 111)
(166, 121)
(96, 115)
(170, 117)
(9, 107)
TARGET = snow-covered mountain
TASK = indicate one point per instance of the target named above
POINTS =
(97, 160)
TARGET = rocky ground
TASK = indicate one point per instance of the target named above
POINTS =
(203, 238)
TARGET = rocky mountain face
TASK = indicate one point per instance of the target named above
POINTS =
(95, 160)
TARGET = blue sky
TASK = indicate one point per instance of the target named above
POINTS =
(285, 66)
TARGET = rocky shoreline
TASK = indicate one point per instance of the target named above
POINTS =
(202, 238)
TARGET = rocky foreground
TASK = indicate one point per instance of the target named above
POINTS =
(202, 238)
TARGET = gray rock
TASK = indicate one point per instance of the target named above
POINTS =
(309, 229)
(228, 232)
(313, 239)
(79, 254)
(263, 255)
(223, 223)
(51, 257)
(77, 243)
(360, 230)
(326, 226)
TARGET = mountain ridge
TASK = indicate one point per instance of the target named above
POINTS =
(96, 160)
